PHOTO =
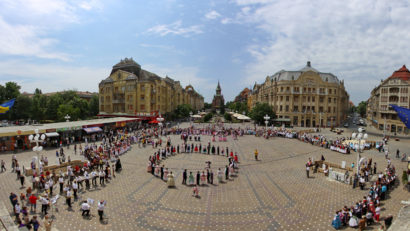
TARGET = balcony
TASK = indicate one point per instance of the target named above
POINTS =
(118, 101)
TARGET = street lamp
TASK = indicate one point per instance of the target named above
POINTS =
(37, 139)
(359, 136)
(160, 119)
(267, 118)
(67, 118)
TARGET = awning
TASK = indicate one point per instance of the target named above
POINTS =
(153, 122)
(52, 134)
(92, 129)
(282, 120)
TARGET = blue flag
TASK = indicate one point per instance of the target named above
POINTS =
(403, 113)
(5, 107)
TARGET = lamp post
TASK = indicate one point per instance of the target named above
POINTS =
(267, 118)
(160, 119)
(359, 137)
(37, 139)
(67, 118)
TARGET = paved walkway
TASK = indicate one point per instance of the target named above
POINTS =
(270, 194)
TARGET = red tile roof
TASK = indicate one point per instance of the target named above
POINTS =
(403, 73)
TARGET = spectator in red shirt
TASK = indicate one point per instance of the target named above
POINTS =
(33, 202)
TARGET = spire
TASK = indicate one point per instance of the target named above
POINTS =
(218, 89)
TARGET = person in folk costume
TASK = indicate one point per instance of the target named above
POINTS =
(170, 179)
(165, 174)
(195, 191)
(219, 175)
(231, 169)
(157, 170)
(196, 148)
(191, 180)
(149, 166)
(203, 178)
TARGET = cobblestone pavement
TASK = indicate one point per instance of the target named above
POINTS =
(271, 194)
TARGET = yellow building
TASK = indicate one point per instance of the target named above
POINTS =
(393, 90)
(132, 91)
(306, 98)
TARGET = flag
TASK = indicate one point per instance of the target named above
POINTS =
(403, 114)
(5, 107)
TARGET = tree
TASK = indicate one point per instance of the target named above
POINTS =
(207, 106)
(227, 116)
(208, 117)
(94, 106)
(260, 110)
(12, 90)
(239, 107)
(21, 108)
(53, 102)
(182, 111)
(67, 109)
(361, 108)
(39, 106)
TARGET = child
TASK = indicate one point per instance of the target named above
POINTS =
(195, 191)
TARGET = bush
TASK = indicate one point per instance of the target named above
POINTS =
(207, 117)
(227, 116)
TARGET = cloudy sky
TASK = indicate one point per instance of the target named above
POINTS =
(72, 44)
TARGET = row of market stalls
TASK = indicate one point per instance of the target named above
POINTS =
(16, 137)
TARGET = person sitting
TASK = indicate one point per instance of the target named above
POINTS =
(85, 207)
(362, 223)
(353, 222)
(369, 218)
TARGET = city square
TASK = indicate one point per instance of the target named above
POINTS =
(272, 193)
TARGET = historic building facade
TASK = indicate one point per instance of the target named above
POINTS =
(218, 102)
(243, 96)
(393, 90)
(306, 97)
(132, 91)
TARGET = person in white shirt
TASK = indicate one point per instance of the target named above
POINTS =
(94, 178)
(85, 207)
(102, 176)
(68, 198)
(61, 182)
(44, 204)
(51, 183)
(75, 189)
(101, 206)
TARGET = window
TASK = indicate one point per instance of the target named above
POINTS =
(320, 109)
(328, 110)
(330, 91)
(329, 100)
(281, 89)
(281, 98)
(102, 90)
(123, 89)
(142, 107)
(142, 97)
(313, 108)
(334, 109)
(107, 98)
(287, 108)
(308, 98)
(404, 90)
(130, 107)
(102, 99)
(280, 108)
(295, 109)
(313, 99)
(334, 100)
(287, 98)
(102, 107)
(321, 99)
(142, 88)
(303, 108)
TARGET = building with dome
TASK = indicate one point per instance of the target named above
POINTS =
(135, 92)
(305, 97)
(393, 90)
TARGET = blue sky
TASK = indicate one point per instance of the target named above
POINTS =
(72, 44)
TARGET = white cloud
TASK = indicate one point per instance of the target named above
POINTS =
(26, 25)
(359, 41)
(212, 15)
(226, 20)
(186, 76)
(176, 29)
(50, 78)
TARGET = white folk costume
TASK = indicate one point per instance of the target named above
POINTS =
(203, 178)
(166, 174)
(219, 176)
(170, 180)
(149, 167)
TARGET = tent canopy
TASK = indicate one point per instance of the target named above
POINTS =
(154, 121)
(52, 134)
(92, 129)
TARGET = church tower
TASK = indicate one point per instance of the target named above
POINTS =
(218, 103)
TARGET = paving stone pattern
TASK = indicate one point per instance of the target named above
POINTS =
(270, 194)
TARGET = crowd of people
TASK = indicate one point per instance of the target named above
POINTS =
(367, 211)
(100, 163)
(203, 176)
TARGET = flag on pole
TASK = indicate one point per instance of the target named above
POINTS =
(5, 107)
(403, 113)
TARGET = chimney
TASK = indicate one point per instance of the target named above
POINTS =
(308, 63)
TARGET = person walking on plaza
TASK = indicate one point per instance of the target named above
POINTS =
(398, 153)
(184, 177)
(307, 170)
(68, 198)
(3, 166)
(198, 178)
(256, 154)
(100, 208)
(226, 173)
(85, 207)
(22, 178)
(33, 203)
(47, 223)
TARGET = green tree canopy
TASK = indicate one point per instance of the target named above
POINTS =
(260, 110)
(361, 108)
